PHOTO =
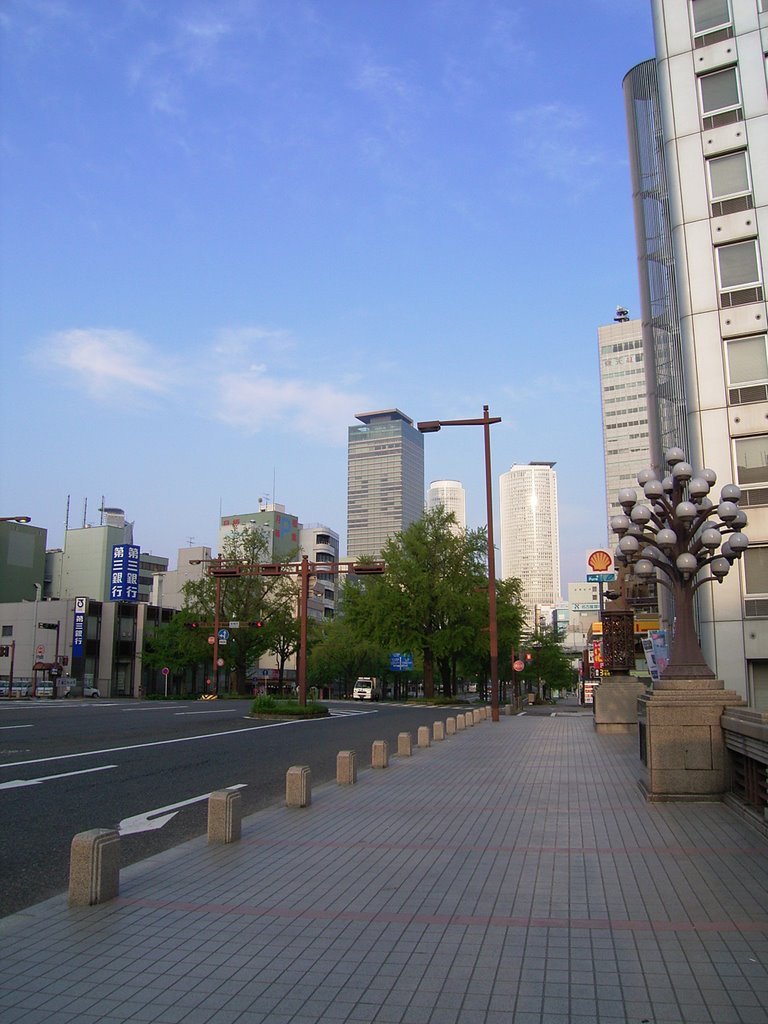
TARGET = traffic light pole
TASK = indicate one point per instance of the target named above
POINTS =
(219, 568)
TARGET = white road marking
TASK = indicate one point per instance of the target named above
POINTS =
(20, 783)
(153, 743)
(152, 820)
(4, 727)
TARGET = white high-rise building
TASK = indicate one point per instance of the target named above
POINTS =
(624, 400)
(530, 537)
(698, 118)
(451, 495)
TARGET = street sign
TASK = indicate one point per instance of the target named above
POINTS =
(518, 666)
(401, 662)
(234, 625)
(223, 636)
(219, 662)
(165, 671)
(601, 577)
(211, 639)
(40, 650)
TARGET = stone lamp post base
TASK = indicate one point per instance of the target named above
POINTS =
(681, 739)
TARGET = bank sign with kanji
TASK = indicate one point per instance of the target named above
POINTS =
(124, 585)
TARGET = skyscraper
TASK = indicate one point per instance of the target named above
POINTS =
(700, 116)
(530, 538)
(625, 408)
(451, 495)
(385, 480)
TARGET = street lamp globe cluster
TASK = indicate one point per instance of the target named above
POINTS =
(678, 535)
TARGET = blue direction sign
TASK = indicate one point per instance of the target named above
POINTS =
(401, 662)
(223, 635)
(601, 577)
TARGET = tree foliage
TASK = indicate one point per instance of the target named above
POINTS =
(432, 599)
(338, 656)
(264, 606)
(550, 667)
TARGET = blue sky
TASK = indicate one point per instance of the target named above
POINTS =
(230, 225)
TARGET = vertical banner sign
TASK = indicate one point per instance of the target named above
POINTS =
(125, 573)
(78, 631)
(597, 656)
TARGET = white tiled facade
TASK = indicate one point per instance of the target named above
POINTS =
(713, 96)
(530, 543)
(452, 496)
(625, 410)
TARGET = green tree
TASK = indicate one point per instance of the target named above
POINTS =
(339, 656)
(259, 603)
(178, 645)
(550, 667)
(427, 601)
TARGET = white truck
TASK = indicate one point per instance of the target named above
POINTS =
(367, 688)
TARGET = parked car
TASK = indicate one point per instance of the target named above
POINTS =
(82, 690)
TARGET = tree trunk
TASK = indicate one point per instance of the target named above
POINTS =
(429, 678)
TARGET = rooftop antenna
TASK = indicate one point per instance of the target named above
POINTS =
(101, 510)
(85, 510)
(622, 315)
(189, 541)
(66, 515)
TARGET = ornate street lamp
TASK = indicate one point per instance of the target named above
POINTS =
(680, 537)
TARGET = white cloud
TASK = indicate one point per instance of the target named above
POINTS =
(241, 341)
(256, 400)
(104, 361)
(554, 138)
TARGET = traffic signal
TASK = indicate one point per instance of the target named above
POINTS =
(191, 625)
(5, 651)
(528, 656)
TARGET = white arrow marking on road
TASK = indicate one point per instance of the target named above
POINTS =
(18, 783)
(150, 820)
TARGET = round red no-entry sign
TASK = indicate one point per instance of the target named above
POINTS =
(518, 666)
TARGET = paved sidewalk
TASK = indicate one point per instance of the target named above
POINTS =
(512, 874)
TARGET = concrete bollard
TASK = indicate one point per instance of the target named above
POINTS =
(298, 786)
(461, 722)
(450, 726)
(346, 767)
(508, 709)
(94, 867)
(225, 815)
(438, 731)
(379, 754)
(422, 738)
(477, 716)
(469, 718)
(404, 744)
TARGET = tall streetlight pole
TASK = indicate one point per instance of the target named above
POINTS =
(431, 427)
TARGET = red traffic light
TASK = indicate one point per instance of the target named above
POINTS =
(258, 623)
(191, 625)
(528, 656)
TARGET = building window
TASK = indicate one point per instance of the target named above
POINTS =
(729, 185)
(748, 370)
(756, 581)
(739, 273)
(7, 630)
(710, 17)
(752, 468)
(720, 103)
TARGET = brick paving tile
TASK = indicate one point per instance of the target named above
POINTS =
(510, 875)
